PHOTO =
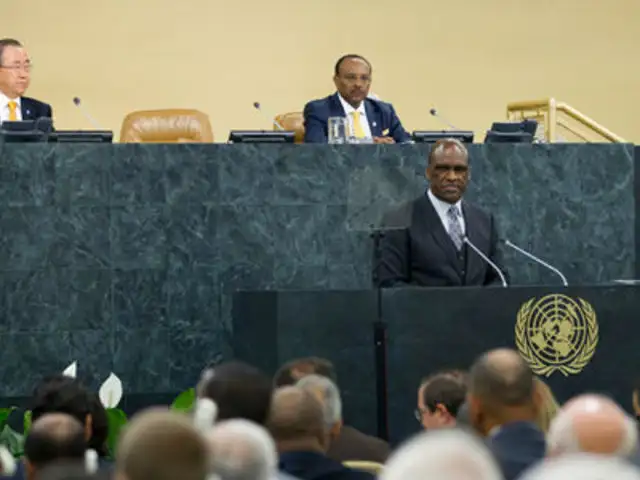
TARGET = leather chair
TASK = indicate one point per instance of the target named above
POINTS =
(292, 121)
(166, 126)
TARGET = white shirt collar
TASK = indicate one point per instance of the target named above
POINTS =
(348, 109)
(4, 101)
(443, 207)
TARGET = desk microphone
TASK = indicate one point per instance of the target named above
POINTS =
(538, 260)
(442, 119)
(78, 103)
(466, 240)
(257, 106)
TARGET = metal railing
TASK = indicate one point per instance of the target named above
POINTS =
(555, 118)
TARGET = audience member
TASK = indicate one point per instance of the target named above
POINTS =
(442, 454)
(351, 443)
(593, 424)
(65, 470)
(242, 450)
(583, 467)
(53, 437)
(329, 396)
(462, 418)
(161, 445)
(502, 408)
(366, 118)
(298, 427)
(15, 76)
(99, 427)
(439, 399)
(546, 404)
(239, 390)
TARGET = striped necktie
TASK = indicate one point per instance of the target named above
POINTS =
(358, 131)
(13, 111)
(455, 230)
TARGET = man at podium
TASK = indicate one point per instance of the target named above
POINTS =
(432, 245)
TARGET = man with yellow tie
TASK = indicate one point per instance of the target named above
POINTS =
(15, 75)
(366, 117)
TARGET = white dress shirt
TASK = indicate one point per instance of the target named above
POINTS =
(348, 110)
(4, 107)
(443, 207)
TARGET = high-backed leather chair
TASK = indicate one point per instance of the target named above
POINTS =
(166, 126)
(293, 121)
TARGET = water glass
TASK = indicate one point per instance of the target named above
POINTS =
(338, 130)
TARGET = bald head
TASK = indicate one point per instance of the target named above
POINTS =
(502, 377)
(162, 445)
(296, 419)
(592, 424)
(54, 436)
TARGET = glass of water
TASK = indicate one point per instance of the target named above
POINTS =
(338, 130)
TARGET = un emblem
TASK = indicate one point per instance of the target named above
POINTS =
(556, 332)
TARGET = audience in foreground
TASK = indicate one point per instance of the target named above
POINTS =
(583, 467)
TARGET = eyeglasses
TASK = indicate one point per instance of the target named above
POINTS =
(27, 67)
(419, 413)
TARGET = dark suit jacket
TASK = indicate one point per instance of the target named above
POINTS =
(423, 254)
(352, 444)
(517, 446)
(33, 109)
(380, 115)
(315, 466)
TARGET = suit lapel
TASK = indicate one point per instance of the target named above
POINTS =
(335, 107)
(474, 262)
(26, 109)
(440, 235)
(375, 120)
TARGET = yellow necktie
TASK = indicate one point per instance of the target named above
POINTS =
(13, 112)
(358, 131)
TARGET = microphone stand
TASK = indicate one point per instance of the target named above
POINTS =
(380, 340)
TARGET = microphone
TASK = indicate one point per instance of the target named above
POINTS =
(78, 103)
(257, 106)
(442, 119)
(466, 240)
(538, 260)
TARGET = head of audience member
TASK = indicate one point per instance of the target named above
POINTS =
(329, 396)
(53, 437)
(592, 424)
(297, 421)
(352, 77)
(242, 450)
(443, 454)
(500, 391)
(584, 467)
(439, 398)
(239, 391)
(547, 405)
(15, 68)
(294, 370)
(448, 170)
(635, 399)
(62, 394)
(161, 445)
(462, 418)
(99, 427)
(66, 470)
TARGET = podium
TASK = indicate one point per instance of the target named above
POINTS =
(578, 339)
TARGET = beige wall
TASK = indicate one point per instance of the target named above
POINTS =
(467, 57)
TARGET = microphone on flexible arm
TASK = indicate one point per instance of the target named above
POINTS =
(538, 261)
(466, 240)
(78, 103)
(257, 106)
(442, 119)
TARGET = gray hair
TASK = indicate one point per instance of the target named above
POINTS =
(451, 454)
(330, 397)
(241, 450)
(584, 467)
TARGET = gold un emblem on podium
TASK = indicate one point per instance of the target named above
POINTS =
(556, 332)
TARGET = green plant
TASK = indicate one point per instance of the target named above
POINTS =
(184, 402)
(117, 420)
(11, 439)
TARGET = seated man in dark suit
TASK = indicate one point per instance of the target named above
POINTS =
(15, 75)
(366, 117)
(425, 243)
(298, 428)
(502, 408)
(350, 443)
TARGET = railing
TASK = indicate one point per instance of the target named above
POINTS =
(556, 118)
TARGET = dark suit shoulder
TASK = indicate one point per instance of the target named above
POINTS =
(36, 103)
(317, 103)
(352, 444)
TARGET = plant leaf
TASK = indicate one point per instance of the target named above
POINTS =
(4, 416)
(71, 370)
(111, 391)
(117, 420)
(13, 441)
(184, 402)
(26, 422)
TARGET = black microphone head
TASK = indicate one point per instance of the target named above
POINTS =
(433, 112)
(76, 100)
(256, 105)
